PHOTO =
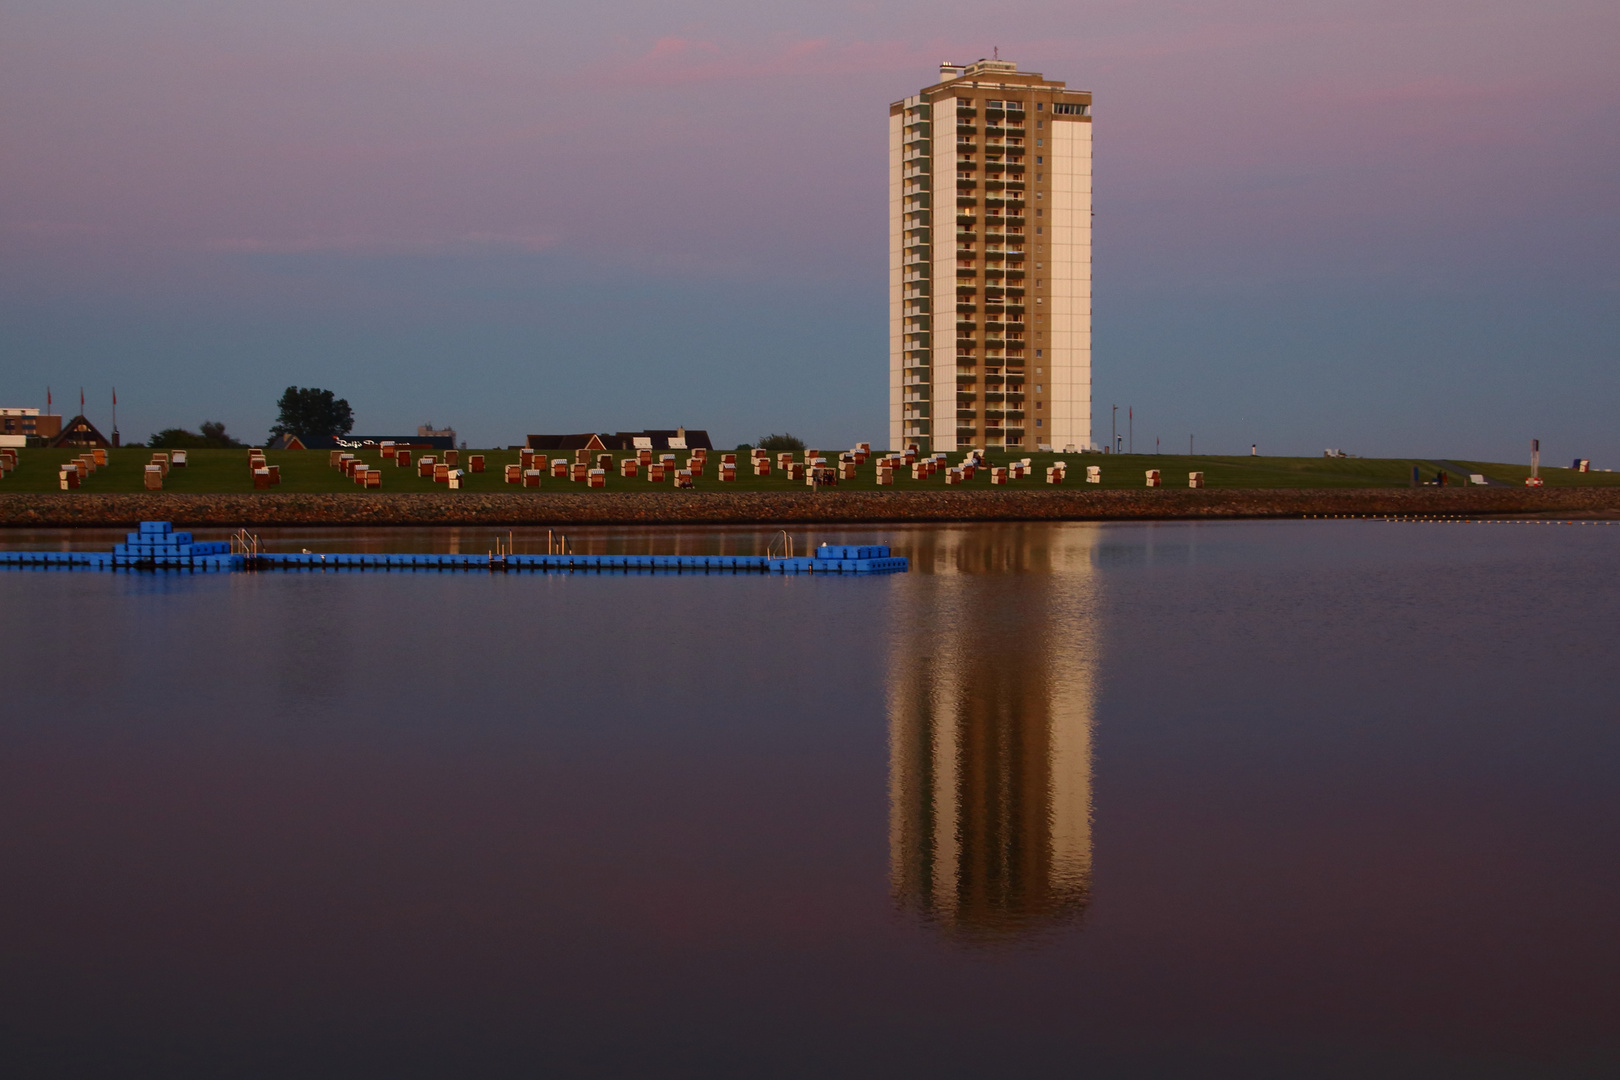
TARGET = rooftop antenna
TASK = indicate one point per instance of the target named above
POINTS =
(995, 52)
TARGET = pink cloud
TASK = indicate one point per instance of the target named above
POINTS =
(381, 245)
(691, 60)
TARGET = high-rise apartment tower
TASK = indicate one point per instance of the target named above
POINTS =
(990, 262)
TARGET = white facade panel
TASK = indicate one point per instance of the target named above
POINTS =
(896, 276)
(1067, 359)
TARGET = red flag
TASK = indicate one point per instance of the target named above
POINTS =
(47, 399)
(81, 401)
(115, 395)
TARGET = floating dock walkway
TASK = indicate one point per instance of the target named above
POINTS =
(158, 547)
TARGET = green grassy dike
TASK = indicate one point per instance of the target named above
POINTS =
(307, 472)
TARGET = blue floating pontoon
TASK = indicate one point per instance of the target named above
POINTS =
(158, 547)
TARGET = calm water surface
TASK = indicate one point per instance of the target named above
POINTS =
(1248, 799)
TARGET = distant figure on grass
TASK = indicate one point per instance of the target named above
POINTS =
(309, 414)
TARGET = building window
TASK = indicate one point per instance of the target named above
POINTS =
(1037, 419)
(1069, 110)
(1037, 356)
(1039, 106)
(1039, 160)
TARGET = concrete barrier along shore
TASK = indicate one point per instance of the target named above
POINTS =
(777, 508)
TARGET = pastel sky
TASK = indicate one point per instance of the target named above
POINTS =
(1386, 227)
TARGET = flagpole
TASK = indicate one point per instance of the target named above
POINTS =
(115, 416)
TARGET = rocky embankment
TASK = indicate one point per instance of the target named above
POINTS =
(773, 508)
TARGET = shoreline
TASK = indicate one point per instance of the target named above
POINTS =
(26, 510)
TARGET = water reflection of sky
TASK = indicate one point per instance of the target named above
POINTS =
(1273, 799)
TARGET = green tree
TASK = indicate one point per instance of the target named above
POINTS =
(213, 437)
(776, 444)
(214, 432)
(312, 414)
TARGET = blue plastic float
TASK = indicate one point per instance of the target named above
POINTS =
(158, 547)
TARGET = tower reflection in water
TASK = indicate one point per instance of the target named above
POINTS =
(990, 703)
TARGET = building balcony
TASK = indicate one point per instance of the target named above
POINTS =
(966, 414)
